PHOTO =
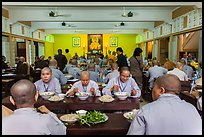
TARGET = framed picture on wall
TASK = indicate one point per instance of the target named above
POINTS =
(76, 41)
(95, 42)
(113, 41)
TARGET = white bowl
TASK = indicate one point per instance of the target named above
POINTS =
(122, 98)
(81, 112)
(82, 95)
(46, 95)
(121, 95)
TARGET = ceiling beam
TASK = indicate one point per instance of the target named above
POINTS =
(198, 4)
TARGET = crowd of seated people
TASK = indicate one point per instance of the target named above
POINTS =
(96, 69)
(102, 69)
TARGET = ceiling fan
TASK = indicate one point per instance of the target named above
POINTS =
(54, 13)
(129, 14)
(67, 25)
(120, 24)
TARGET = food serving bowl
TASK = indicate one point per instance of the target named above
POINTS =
(47, 95)
(121, 95)
(81, 112)
(82, 95)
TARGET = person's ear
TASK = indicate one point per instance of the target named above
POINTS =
(12, 100)
(162, 91)
(36, 96)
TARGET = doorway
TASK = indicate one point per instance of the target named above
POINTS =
(164, 49)
(21, 49)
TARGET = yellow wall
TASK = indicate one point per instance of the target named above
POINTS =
(126, 41)
(63, 41)
(49, 50)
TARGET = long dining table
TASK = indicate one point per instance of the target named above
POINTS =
(116, 124)
(70, 104)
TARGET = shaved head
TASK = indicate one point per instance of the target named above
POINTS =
(52, 62)
(23, 92)
(46, 69)
(183, 61)
(114, 66)
(91, 66)
(74, 62)
(179, 65)
(155, 62)
(170, 83)
(46, 74)
(85, 74)
(85, 78)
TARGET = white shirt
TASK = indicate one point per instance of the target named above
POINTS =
(179, 73)
(113, 74)
(27, 121)
(168, 115)
(189, 71)
(72, 70)
(81, 88)
(155, 72)
(128, 86)
(53, 85)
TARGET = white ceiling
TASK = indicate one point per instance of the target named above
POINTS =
(93, 17)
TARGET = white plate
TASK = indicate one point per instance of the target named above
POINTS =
(55, 98)
(131, 114)
(128, 115)
(69, 118)
(73, 80)
(68, 76)
(10, 74)
(106, 98)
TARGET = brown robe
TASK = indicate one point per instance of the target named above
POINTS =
(135, 70)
